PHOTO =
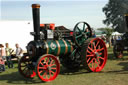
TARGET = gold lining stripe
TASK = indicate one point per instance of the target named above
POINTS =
(71, 45)
(66, 47)
(46, 47)
(58, 47)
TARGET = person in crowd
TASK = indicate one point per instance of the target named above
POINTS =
(19, 51)
(2, 58)
(8, 52)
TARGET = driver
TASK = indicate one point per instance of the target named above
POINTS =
(93, 32)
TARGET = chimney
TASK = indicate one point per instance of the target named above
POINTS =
(36, 21)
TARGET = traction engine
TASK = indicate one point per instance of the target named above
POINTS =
(49, 47)
(121, 45)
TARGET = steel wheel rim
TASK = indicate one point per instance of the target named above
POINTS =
(76, 37)
(96, 55)
(24, 69)
(48, 68)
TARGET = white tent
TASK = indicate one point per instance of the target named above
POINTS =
(13, 32)
(116, 33)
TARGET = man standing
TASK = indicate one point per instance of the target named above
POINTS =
(18, 51)
(8, 52)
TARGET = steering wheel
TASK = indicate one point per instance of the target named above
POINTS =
(80, 34)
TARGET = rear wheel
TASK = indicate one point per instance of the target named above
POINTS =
(47, 68)
(94, 54)
(118, 51)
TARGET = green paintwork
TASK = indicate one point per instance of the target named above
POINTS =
(53, 48)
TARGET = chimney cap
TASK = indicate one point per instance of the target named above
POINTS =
(35, 5)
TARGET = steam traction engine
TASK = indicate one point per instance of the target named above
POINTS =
(73, 51)
(121, 45)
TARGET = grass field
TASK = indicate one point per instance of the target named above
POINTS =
(114, 73)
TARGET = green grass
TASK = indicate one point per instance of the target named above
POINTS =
(115, 72)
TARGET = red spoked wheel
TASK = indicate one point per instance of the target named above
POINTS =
(94, 54)
(26, 67)
(47, 68)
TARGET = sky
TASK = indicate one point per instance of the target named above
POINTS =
(60, 12)
(15, 15)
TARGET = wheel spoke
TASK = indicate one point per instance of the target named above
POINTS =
(98, 46)
(52, 64)
(41, 63)
(91, 49)
(101, 58)
(53, 68)
(40, 72)
(52, 72)
(97, 63)
(83, 27)
(91, 45)
(100, 49)
(24, 69)
(44, 74)
(89, 52)
(97, 43)
(94, 46)
(44, 68)
(78, 36)
(90, 61)
(100, 53)
(92, 65)
(47, 60)
(89, 55)
(79, 29)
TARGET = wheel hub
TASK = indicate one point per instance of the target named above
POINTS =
(49, 68)
(96, 54)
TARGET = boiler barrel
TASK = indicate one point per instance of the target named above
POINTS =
(58, 47)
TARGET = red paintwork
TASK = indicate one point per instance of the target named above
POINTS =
(96, 55)
(51, 26)
(48, 68)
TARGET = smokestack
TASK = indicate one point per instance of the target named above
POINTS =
(36, 21)
(126, 19)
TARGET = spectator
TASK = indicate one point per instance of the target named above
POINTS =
(9, 51)
(2, 58)
(19, 51)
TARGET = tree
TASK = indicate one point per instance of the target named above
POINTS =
(108, 32)
(115, 11)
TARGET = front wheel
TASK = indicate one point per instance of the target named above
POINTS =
(94, 54)
(47, 68)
